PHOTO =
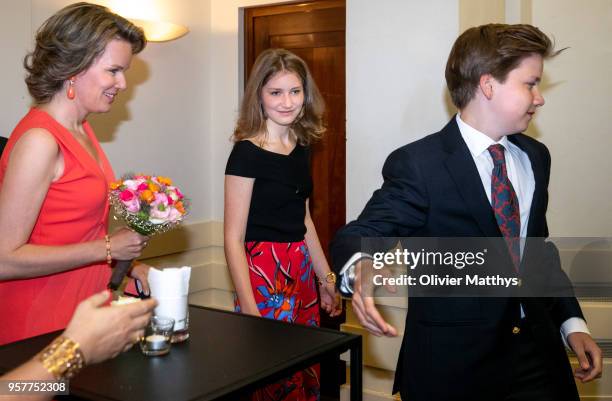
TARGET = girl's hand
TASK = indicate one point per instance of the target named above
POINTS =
(330, 299)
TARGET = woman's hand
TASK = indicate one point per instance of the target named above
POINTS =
(140, 272)
(330, 299)
(127, 244)
(105, 331)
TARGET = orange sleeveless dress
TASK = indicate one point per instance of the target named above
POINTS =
(75, 210)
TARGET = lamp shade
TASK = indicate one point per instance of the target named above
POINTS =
(160, 31)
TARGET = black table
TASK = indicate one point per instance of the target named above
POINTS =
(227, 355)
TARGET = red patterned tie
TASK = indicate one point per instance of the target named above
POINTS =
(505, 204)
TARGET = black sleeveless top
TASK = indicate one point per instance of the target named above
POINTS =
(282, 185)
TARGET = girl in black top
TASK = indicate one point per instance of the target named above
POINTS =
(271, 245)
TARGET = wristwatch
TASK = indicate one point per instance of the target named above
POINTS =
(330, 277)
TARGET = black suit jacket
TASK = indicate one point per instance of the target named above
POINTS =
(460, 348)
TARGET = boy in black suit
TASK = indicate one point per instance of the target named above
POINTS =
(478, 177)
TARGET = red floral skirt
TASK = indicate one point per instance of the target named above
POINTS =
(284, 286)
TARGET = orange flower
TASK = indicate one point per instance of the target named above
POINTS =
(147, 196)
(154, 187)
(179, 206)
(116, 184)
(164, 180)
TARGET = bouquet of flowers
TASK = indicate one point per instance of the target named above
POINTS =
(148, 204)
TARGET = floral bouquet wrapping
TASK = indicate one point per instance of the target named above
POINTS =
(149, 205)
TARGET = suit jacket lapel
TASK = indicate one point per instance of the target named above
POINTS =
(464, 173)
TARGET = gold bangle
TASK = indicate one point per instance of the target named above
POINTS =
(330, 277)
(62, 358)
(109, 258)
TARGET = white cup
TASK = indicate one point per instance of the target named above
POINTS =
(176, 308)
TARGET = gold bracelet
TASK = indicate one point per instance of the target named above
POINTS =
(330, 277)
(62, 358)
(109, 258)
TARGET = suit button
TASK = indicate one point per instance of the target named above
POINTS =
(516, 330)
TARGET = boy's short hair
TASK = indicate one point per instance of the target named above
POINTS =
(494, 49)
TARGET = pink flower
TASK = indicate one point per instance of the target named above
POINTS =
(160, 199)
(126, 195)
(175, 193)
(174, 214)
(129, 200)
(160, 212)
(132, 205)
(172, 195)
(131, 184)
(159, 207)
(142, 186)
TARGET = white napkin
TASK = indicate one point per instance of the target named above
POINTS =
(170, 287)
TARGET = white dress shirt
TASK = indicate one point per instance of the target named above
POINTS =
(518, 167)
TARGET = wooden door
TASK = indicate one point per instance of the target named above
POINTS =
(315, 31)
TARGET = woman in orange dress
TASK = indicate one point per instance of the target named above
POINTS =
(54, 176)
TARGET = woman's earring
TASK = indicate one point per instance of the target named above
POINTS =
(70, 93)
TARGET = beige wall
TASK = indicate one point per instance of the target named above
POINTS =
(575, 122)
(226, 83)
(15, 37)
(478, 12)
(395, 57)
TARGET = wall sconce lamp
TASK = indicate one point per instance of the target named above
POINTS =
(160, 31)
(148, 14)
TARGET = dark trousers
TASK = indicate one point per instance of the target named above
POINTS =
(530, 377)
